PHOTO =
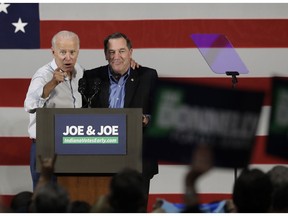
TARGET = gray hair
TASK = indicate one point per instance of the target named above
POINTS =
(65, 34)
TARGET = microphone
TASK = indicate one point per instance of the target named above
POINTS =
(82, 86)
(93, 90)
(95, 86)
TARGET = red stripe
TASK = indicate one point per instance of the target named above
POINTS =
(17, 88)
(173, 33)
(206, 198)
(5, 201)
(14, 150)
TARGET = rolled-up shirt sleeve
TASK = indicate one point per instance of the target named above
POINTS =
(34, 98)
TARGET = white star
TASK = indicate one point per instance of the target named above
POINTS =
(19, 26)
(3, 7)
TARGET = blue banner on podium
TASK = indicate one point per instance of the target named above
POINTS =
(93, 134)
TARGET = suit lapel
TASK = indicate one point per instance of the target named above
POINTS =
(130, 87)
(105, 88)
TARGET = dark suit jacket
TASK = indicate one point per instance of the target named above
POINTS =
(139, 92)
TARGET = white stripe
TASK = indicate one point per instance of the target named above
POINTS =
(14, 122)
(171, 180)
(263, 124)
(265, 167)
(261, 62)
(152, 1)
(15, 179)
(102, 11)
(216, 180)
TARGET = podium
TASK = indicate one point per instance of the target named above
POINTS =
(91, 145)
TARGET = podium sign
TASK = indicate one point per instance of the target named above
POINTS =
(90, 140)
(98, 134)
(277, 141)
(188, 115)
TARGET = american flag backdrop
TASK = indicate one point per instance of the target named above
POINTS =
(160, 33)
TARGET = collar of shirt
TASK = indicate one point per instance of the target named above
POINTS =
(122, 79)
(117, 90)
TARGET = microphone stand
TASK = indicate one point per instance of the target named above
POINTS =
(85, 99)
(89, 101)
(234, 80)
(82, 85)
(96, 88)
(82, 89)
(234, 75)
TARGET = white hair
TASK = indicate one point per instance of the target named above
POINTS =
(65, 34)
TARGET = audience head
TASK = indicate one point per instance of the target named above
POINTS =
(127, 194)
(79, 207)
(252, 192)
(278, 175)
(279, 178)
(280, 199)
(50, 198)
(21, 202)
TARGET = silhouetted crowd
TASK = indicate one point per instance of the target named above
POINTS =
(254, 191)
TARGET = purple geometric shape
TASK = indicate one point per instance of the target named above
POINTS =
(219, 53)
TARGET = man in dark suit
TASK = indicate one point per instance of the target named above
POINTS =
(120, 86)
